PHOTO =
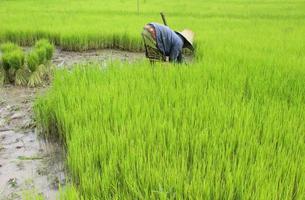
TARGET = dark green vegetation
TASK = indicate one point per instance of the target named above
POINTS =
(230, 126)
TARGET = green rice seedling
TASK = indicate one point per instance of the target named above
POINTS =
(32, 195)
(13, 63)
(49, 48)
(37, 62)
(41, 52)
(9, 47)
(5, 62)
(228, 126)
(33, 60)
(13, 60)
(69, 192)
(165, 132)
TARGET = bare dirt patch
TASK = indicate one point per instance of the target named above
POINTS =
(27, 164)
(67, 58)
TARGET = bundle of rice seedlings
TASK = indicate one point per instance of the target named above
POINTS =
(47, 46)
(22, 76)
(48, 73)
(32, 60)
(35, 60)
(38, 62)
(41, 52)
(13, 61)
(35, 77)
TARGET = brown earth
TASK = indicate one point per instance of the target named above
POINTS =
(27, 164)
(68, 58)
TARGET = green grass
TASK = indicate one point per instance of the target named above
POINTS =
(218, 132)
(230, 126)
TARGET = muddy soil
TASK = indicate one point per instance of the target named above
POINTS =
(69, 58)
(27, 164)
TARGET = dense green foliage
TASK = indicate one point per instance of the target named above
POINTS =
(230, 126)
(218, 132)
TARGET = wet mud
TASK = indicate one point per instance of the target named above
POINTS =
(28, 165)
(69, 58)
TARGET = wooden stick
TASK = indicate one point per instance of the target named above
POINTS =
(163, 18)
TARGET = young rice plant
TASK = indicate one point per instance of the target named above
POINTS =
(229, 126)
(142, 132)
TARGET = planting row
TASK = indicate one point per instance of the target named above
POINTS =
(19, 68)
(79, 42)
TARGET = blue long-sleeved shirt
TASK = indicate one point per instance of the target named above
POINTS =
(168, 42)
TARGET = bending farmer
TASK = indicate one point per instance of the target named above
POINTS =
(161, 42)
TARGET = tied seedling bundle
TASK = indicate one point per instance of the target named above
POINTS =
(31, 69)
(39, 62)
(12, 62)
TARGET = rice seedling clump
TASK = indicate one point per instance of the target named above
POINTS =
(47, 46)
(13, 60)
(42, 55)
(39, 61)
(32, 61)
(28, 70)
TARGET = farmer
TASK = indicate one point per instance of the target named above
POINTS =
(162, 43)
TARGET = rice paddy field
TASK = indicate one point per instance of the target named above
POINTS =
(230, 125)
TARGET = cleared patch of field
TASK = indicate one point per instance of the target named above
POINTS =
(28, 165)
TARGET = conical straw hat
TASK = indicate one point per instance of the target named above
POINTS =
(188, 36)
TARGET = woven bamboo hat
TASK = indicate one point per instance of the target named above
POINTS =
(188, 37)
